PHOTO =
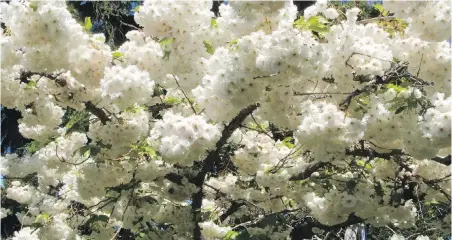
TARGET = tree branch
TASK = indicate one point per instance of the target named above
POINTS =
(99, 113)
(155, 109)
(235, 206)
(199, 179)
(445, 160)
(311, 168)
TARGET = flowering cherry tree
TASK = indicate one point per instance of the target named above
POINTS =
(257, 124)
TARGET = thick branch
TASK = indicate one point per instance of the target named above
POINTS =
(198, 180)
(311, 168)
(445, 160)
(174, 178)
(155, 109)
(373, 154)
(235, 206)
(99, 113)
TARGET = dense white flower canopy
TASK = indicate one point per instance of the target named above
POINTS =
(328, 117)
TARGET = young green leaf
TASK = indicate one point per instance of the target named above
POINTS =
(379, 7)
(213, 23)
(288, 142)
(231, 235)
(172, 100)
(33, 7)
(117, 54)
(88, 24)
(209, 47)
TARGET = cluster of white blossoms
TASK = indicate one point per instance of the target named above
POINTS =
(210, 230)
(356, 49)
(401, 237)
(125, 129)
(124, 87)
(320, 6)
(41, 120)
(21, 194)
(436, 122)
(26, 233)
(232, 86)
(259, 154)
(362, 203)
(88, 61)
(323, 122)
(169, 19)
(181, 40)
(241, 18)
(290, 52)
(49, 30)
(383, 126)
(330, 110)
(145, 53)
(183, 140)
(428, 60)
(427, 21)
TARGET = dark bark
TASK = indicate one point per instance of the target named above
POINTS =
(199, 179)
(303, 229)
(311, 168)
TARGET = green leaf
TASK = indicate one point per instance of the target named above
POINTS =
(145, 150)
(166, 55)
(172, 100)
(398, 88)
(318, 24)
(362, 163)
(34, 7)
(300, 23)
(88, 24)
(234, 41)
(76, 118)
(315, 23)
(117, 54)
(433, 202)
(231, 235)
(44, 216)
(268, 169)
(30, 85)
(134, 109)
(209, 47)
(165, 44)
(166, 41)
(316, 20)
(213, 23)
(158, 91)
(33, 147)
(288, 142)
(379, 7)
(289, 202)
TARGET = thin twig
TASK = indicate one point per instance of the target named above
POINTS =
(374, 19)
(318, 93)
(185, 95)
(420, 64)
(266, 76)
